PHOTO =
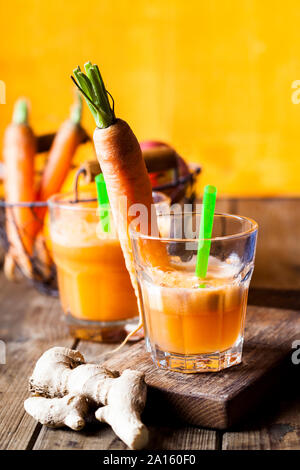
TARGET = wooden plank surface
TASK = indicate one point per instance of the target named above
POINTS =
(40, 317)
(98, 436)
(220, 400)
(31, 323)
(276, 426)
(223, 205)
(277, 264)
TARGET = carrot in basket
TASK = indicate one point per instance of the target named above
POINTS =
(21, 222)
(121, 161)
(62, 151)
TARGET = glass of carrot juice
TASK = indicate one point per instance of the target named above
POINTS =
(192, 324)
(94, 285)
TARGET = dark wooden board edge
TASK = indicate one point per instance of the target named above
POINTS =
(264, 361)
(225, 411)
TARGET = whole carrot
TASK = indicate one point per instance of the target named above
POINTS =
(21, 223)
(121, 161)
(62, 151)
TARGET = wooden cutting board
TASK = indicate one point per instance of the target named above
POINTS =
(219, 400)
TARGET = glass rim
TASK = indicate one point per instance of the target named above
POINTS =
(73, 205)
(253, 228)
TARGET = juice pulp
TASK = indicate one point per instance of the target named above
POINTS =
(183, 318)
(93, 281)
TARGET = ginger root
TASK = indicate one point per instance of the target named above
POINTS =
(125, 398)
(67, 386)
(57, 412)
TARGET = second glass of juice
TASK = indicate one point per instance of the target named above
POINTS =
(192, 324)
(94, 285)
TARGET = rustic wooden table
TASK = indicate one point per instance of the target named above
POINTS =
(30, 323)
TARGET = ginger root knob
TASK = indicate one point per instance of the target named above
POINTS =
(57, 412)
(68, 388)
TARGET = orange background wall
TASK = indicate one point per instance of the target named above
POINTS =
(211, 77)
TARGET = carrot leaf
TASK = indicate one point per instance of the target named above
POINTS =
(76, 110)
(93, 89)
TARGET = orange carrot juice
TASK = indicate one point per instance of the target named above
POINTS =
(94, 285)
(186, 319)
(193, 323)
(93, 281)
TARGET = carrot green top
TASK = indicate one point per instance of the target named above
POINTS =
(76, 111)
(20, 113)
(93, 89)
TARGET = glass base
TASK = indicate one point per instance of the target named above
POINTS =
(106, 332)
(194, 363)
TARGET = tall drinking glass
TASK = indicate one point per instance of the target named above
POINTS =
(192, 324)
(94, 285)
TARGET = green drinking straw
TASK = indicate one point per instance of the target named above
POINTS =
(206, 225)
(103, 202)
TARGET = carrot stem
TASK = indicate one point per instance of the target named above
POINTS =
(76, 111)
(93, 89)
(20, 114)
